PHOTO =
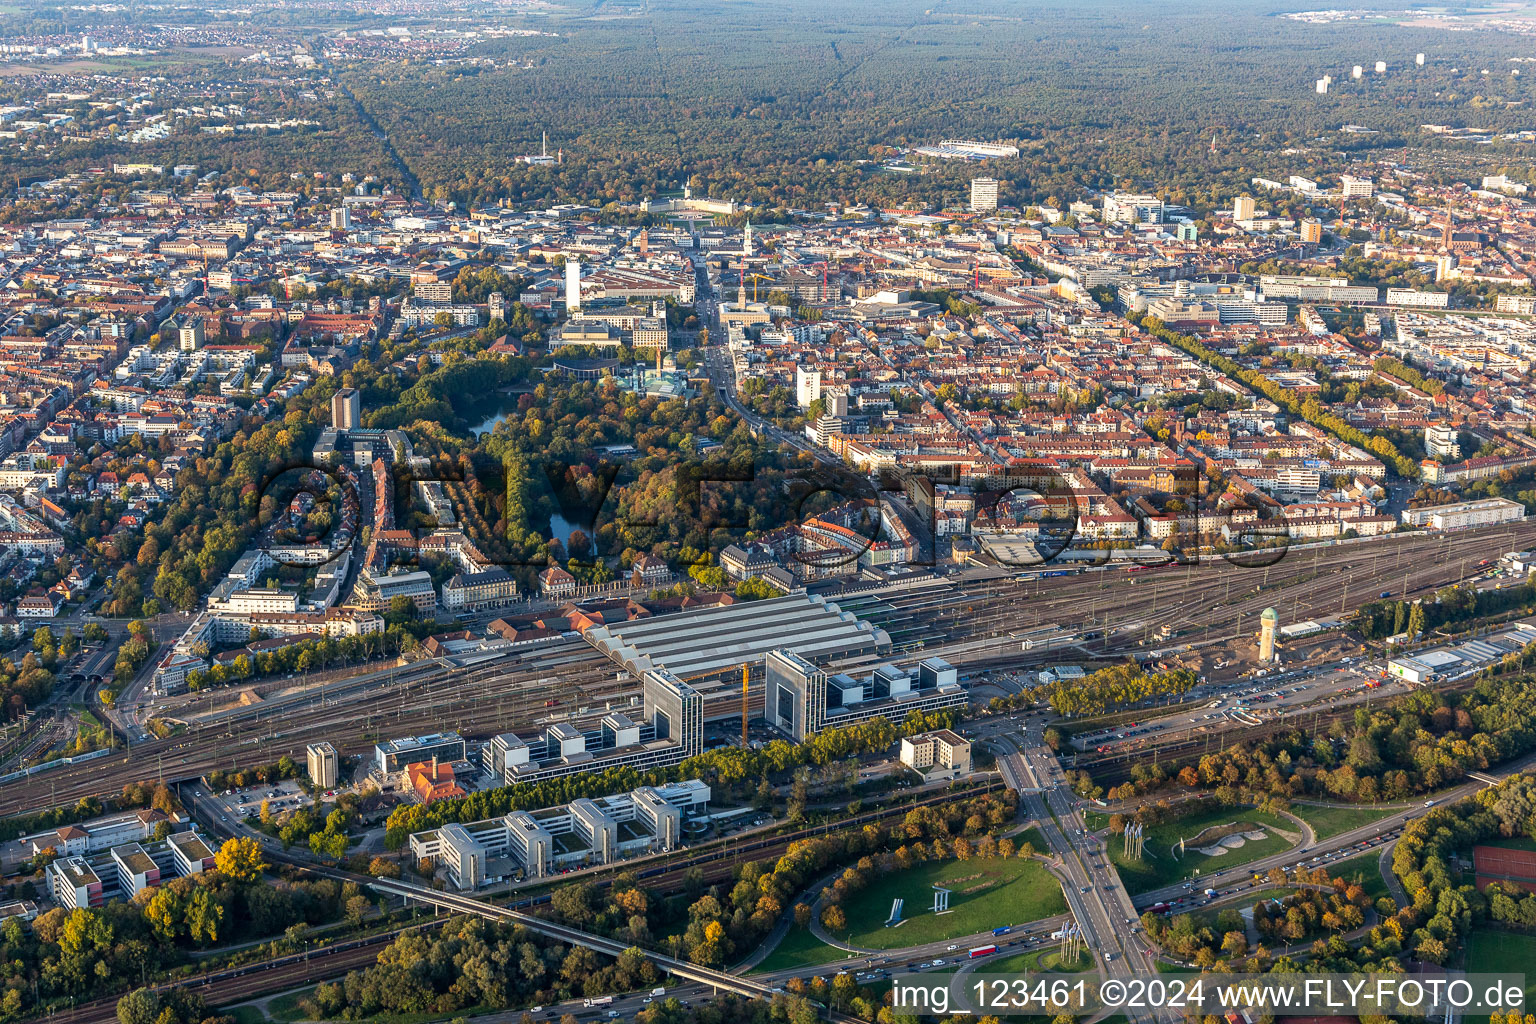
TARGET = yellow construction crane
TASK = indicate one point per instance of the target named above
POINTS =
(754, 278)
(746, 673)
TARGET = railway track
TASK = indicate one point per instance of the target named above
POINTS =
(1211, 602)
(238, 984)
(1114, 768)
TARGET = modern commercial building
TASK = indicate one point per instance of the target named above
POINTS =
(341, 218)
(347, 409)
(189, 332)
(1316, 289)
(190, 854)
(74, 884)
(803, 700)
(940, 751)
(461, 856)
(984, 194)
(375, 592)
(1351, 187)
(97, 834)
(968, 149)
(533, 844)
(1522, 304)
(1447, 664)
(1417, 299)
(136, 870)
(1243, 208)
(324, 764)
(671, 732)
(1311, 232)
(390, 757)
(77, 880)
(1123, 207)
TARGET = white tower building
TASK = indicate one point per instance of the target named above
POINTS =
(572, 286)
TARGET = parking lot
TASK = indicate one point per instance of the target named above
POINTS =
(239, 804)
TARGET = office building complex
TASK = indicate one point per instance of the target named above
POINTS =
(1462, 514)
(533, 844)
(802, 699)
(672, 730)
(1316, 289)
(90, 879)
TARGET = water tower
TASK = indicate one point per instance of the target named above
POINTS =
(1269, 621)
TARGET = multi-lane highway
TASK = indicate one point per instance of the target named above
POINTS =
(1098, 901)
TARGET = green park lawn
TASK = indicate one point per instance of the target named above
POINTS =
(1161, 865)
(1494, 951)
(1034, 837)
(799, 948)
(286, 1007)
(1036, 961)
(1328, 822)
(1364, 868)
(984, 894)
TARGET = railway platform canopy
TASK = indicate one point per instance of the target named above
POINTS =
(724, 637)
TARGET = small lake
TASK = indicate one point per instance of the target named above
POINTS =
(560, 529)
(496, 417)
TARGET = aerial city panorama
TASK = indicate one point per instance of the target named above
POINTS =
(767, 511)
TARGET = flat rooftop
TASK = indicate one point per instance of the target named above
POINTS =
(724, 636)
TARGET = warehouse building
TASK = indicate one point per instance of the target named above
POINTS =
(1447, 664)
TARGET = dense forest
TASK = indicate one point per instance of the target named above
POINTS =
(787, 104)
(796, 104)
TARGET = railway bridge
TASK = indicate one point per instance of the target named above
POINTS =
(718, 980)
